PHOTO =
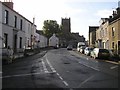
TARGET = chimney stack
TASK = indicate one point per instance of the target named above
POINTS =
(114, 13)
(8, 3)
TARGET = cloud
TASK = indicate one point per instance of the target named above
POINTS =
(104, 13)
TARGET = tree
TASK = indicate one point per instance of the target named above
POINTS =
(50, 27)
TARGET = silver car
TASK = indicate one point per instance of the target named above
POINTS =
(100, 53)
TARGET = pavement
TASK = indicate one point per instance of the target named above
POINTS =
(21, 54)
(18, 55)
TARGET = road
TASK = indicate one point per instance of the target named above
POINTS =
(60, 68)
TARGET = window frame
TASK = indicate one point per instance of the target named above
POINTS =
(15, 21)
(6, 18)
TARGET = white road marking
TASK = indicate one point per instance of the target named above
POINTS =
(59, 76)
(53, 70)
(44, 66)
(89, 66)
(86, 80)
(20, 75)
(65, 83)
(113, 67)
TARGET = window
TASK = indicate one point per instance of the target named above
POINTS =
(113, 31)
(20, 42)
(104, 51)
(15, 21)
(6, 17)
(113, 45)
(5, 40)
(21, 23)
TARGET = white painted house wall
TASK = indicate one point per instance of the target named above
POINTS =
(28, 33)
(53, 41)
(9, 28)
(41, 41)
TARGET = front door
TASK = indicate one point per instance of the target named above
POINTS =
(119, 47)
(15, 43)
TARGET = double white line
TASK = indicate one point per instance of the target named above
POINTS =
(54, 71)
(44, 66)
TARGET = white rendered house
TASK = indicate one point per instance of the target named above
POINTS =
(53, 41)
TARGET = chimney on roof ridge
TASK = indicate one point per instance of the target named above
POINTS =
(114, 13)
(8, 3)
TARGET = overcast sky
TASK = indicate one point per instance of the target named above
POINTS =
(83, 13)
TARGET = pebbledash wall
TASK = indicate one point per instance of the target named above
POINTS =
(19, 36)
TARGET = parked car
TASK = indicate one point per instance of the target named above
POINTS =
(88, 50)
(56, 47)
(82, 49)
(79, 45)
(5, 56)
(69, 47)
(100, 53)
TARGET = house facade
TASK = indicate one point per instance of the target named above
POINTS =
(53, 41)
(114, 33)
(41, 41)
(92, 35)
(108, 33)
(17, 31)
(102, 34)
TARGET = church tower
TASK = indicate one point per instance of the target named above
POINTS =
(66, 25)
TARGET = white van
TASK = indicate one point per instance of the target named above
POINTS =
(79, 45)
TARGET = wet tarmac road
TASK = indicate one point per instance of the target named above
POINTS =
(60, 68)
